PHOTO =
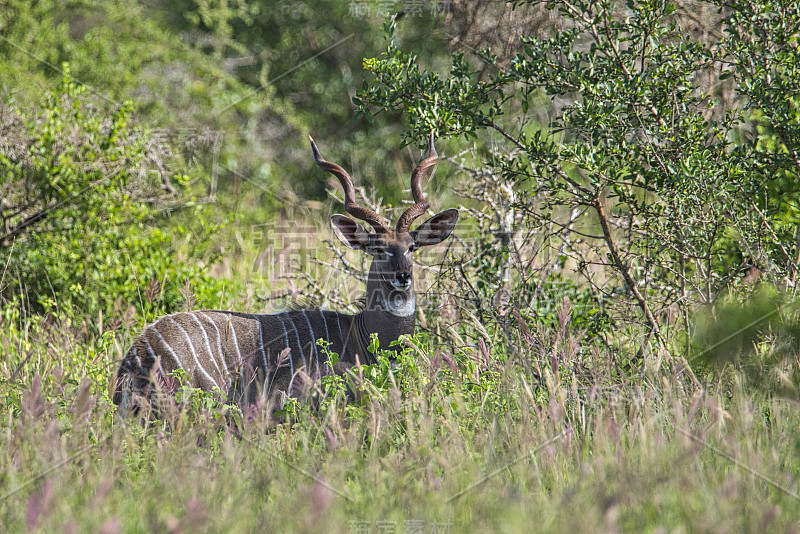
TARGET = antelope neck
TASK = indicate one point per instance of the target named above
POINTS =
(388, 312)
(388, 327)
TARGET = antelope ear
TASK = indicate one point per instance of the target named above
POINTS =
(350, 232)
(436, 229)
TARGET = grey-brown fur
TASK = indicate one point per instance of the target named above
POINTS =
(251, 356)
(239, 353)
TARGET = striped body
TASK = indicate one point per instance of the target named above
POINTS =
(244, 355)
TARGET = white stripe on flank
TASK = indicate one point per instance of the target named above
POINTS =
(257, 318)
(235, 340)
(264, 357)
(156, 359)
(286, 331)
(172, 352)
(136, 357)
(219, 337)
(290, 392)
(313, 342)
(211, 353)
(299, 343)
(286, 334)
(263, 352)
(219, 346)
(194, 353)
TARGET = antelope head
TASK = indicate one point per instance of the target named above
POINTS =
(390, 284)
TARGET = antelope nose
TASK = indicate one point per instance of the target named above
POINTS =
(403, 277)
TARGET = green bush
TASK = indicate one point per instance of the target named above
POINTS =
(84, 200)
(647, 178)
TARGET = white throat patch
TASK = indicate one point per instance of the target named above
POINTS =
(399, 307)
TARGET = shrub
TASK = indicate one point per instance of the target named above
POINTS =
(83, 211)
(646, 181)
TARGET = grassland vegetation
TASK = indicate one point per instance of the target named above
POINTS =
(608, 343)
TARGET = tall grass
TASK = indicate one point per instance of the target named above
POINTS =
(445, 442)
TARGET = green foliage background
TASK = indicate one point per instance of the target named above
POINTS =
(608, 343)
(89, 246)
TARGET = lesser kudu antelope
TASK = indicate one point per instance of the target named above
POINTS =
(247, 355)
